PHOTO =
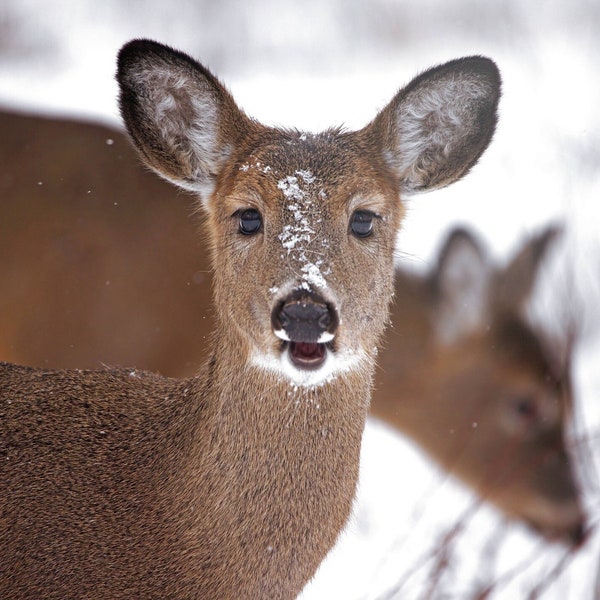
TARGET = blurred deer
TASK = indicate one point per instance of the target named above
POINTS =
(479, 390)
(85, 235)
(236, 482)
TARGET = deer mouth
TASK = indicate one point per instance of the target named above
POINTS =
(307, 355)
(308, 363)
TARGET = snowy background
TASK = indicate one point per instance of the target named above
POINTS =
(315, 64)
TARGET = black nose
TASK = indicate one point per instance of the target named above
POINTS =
(578, 535)
(305, 317)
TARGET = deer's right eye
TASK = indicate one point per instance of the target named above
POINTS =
(250, 221)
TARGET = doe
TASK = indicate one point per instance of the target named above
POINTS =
(91, 257)
(234, 483)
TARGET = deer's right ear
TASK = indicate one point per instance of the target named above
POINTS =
(460, 284)
(183, 122)
(436, 128)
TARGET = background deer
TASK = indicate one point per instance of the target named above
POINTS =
(478, 389)
(86, 235)
(113, 236)
(236, 482)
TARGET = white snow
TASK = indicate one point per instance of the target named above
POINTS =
(298, 237)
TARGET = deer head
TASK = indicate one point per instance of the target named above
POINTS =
(302, 226)
(483, 392)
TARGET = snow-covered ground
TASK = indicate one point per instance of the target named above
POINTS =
(315, 64)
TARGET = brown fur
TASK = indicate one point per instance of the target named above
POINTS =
(236, 482)
(85, 232)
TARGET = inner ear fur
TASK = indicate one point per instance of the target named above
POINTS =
(460, 286)
(435, 129)
(180, 117)
(517, 280)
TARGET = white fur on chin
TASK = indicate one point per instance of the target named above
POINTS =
(335, 363)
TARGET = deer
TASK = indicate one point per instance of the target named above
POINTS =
(85, 240)
(234, 482)
(481, 392)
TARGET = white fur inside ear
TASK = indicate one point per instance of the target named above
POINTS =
(432, 122)
(182, 111)
(464, 287)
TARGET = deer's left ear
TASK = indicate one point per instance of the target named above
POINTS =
(436, 128)
(516, 282)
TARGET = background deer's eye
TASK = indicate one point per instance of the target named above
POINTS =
(526, 408)
(361, 223)
(250, 221)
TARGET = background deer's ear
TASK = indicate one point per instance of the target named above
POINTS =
(550, 308)
(436, 128)
(183, 122)
(515, 284)
(461, 286)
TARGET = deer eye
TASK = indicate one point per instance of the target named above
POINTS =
(526, 408)
(361, 223)
(250, 221)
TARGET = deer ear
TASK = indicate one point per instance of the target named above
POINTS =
(460, 286)
(181, 119)
(436, 128)
(515, 283)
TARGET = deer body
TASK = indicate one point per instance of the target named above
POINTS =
(135, 513)
(86, 233)
(234, 483)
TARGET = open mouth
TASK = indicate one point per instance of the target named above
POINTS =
(307, 355)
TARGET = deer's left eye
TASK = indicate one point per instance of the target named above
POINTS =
(361, 223)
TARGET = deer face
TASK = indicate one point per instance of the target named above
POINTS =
(306, 227)
(504, 425)
(532, 411)
(302, 226)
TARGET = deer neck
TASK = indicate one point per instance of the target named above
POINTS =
(430, 395)
(275, 470)
(409, 339)
(407, 390)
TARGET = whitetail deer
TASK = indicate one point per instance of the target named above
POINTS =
(78, 243)
(236, 482)
(478, 389)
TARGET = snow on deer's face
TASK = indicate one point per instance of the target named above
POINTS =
(307, 228)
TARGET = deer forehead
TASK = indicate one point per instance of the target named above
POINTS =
(327, 173)
(306, 188)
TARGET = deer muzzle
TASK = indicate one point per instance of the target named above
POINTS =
(307, 323)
